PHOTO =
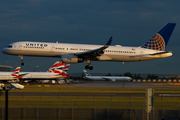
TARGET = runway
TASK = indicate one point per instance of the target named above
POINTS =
(88, 95)
(107, 85)
(128, 85)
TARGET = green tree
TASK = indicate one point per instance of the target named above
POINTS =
(128, 74)
(151, 76)
(139, 76)
(109, 74)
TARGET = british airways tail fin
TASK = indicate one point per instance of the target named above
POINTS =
(161, 38)
(66, 68)
(53, 66)
(16, 72)
(59, 68)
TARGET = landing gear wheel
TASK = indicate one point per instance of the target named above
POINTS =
(86, 67)
(21, 56)
(90, 67)
(22, 64)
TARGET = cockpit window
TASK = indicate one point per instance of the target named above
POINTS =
(9, 46)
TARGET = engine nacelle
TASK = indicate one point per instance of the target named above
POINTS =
(113, 80)
(70, 59)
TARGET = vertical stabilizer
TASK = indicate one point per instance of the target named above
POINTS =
(86, 73)
(66, 68)
(16, 72)
(59, 68)
(160, 39)
(53, 66)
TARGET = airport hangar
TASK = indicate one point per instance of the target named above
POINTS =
(5, 68)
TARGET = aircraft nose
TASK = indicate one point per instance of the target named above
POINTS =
(5, 50)
(131, 80)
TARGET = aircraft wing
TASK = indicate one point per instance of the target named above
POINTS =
(21, 75)
(106, 78)
(109, 79)
(96, 52)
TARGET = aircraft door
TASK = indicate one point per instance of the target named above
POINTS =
(141, 52)
(20, 47)
(52, 48)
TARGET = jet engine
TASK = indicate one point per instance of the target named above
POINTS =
(70, 59)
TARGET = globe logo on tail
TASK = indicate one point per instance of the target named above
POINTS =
(155, 43)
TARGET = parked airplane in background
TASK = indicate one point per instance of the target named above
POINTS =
(107, 78)
(76, 53)
(54, 73)
(10, 75)
(53, 66)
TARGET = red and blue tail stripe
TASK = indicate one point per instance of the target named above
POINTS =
(16, 72)
(53, 66)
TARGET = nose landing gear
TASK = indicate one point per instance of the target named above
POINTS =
(21, 56)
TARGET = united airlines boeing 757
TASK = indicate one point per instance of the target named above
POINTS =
(76, 53)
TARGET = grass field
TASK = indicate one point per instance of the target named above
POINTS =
(87, 102)
(44, 88)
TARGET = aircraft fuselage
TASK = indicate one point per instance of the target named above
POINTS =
(112, 53)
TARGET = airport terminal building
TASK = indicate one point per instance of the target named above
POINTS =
(5, 68)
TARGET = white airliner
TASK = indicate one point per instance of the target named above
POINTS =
(10, 75)
(55, 72)
(76, 53)
(107, 78)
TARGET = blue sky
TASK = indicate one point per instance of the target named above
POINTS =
(130, 22)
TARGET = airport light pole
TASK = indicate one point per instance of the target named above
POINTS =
(6, 108)
(35, 68)
(6, 89)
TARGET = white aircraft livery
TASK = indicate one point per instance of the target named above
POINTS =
(107, 78)
(10, 75)
(76, 53)
(55, 72)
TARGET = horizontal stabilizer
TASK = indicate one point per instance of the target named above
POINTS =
(161, 52)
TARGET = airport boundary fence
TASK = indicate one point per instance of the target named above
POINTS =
(40, 109)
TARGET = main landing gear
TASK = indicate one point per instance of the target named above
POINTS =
(22, 63)
(88, 66)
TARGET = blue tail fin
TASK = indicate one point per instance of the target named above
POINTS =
(161, 38)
